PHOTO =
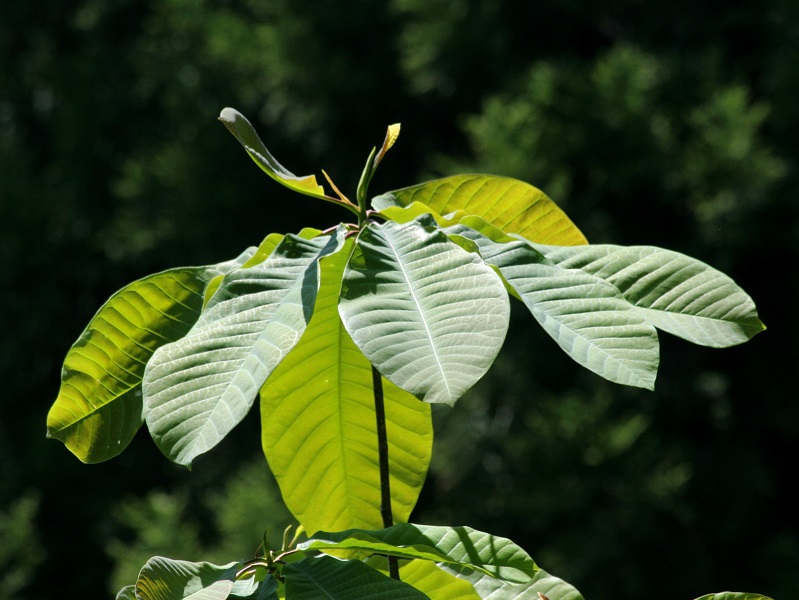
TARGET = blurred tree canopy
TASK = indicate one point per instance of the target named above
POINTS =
(671, 124)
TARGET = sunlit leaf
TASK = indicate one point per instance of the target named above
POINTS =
(325, 577)
(99, 406)
(318, 425)
(200, 387)
(429, 578)
(429, 315)
(392, 133)
(601, 303)
(257, 256)
(509, 204)
(460, 546)
(676, 293)
(588, 317)
(167, 579)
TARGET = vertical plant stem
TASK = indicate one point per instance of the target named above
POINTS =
(382, 453)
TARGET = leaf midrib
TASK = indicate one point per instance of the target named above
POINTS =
(421, 314)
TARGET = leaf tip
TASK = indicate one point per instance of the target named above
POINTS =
(392, 133)
(228, 115)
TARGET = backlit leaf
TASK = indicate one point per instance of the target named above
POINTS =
(429, 578)
(509, 204)
(318, 425)
(99, 406)
(392, 133)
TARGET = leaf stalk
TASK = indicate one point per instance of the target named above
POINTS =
(382, 453)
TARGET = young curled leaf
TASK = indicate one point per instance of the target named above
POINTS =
(245, 133)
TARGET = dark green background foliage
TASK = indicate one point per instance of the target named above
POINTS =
(663, 123)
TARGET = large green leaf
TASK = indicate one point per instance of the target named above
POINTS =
(601, 303)
(326, 577)
(429, 315)
(318, 423)
(99, 406)
(588, 317)
(676, 293)
(490, 588)
(201, 386)
(512, 205)
(458, 546)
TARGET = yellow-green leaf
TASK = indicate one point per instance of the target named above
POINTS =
(509, 204)
(429, 578)
(319, 429)
(392, 133)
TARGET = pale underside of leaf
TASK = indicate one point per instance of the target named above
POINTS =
(318, 425)
(676, 293)
(99, 405)
(587, 317)
(509, 204)
(198, 388)
(256, 256)
(167, 579)
(430, 316)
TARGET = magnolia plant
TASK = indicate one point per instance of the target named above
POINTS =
(346, 337)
